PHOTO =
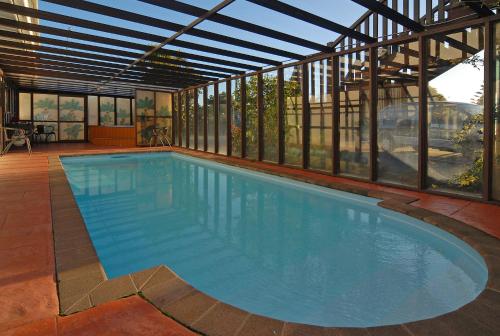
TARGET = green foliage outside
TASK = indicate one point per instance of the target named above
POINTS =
(468, 141)
(292, 92)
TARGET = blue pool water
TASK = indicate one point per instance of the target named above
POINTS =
(269, 245)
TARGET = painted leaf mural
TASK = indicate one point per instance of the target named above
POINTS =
(107, 107)
(71, 109)
(72, 131)
(163, 104)
(44, 107)
(123, 111)
(145, 103)
(123, 117)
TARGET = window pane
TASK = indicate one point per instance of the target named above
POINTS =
(354, 120)
(496, 119)
(251, 118)
(49, 128)
(320, 102)
(145, 109)
(236, 117)
(45, 107)
(133, 111)
(183, 118)
(397, 119)
(71, 108)
(71, 131)
(201, 119)
(107, 111)
(92, 110)
(455, 111)
(293, 115)
(24, 106)
(211, 118)
(222, 118)
(190, 94)
(163, 104)
(175, 108)
(123, 111)
(270, 94)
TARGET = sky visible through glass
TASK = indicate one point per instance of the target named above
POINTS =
(342, 11)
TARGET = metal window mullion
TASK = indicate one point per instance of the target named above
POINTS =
(488, 108)
(281, 117)
(195, 117)
(306, 116)
(216, 117)
(98, 110)
(174, 117)
(179, 112)
(422, 113)
(187, 118)
(116, 112)
(205, 119)
(373, 112)
(260, 116)
(336, 114)
(228, 118)
(243, 103)
(394, 30)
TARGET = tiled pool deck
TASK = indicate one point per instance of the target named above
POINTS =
(31, 203)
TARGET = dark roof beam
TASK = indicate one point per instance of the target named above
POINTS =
(237, 23)
(163, 24)
(87, 24)
(118, 60)
(109, 51)
(316, 20)
(391, 14)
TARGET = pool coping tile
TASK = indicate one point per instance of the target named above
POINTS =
(83, 284)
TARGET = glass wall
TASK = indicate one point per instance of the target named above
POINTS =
(354, 121)
(320, 102)
(190, 116)
(123, 116)
(454, 105)
(24, 106)
(45, 112)
(175, 109)
(222, 118)
(455, 111)
(252, 120)
(107, 111)
(271, 117)
(183, 118)
(496, 119)
(397, 114)
(211, 118)
(93, 110)
(145, 111)
(236, 117)
(201, 118)
(164, 112)
(293, 115)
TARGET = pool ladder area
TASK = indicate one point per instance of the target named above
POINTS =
(161, 134)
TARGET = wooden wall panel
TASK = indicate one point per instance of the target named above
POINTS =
(112, 136)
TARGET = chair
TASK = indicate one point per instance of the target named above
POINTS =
(46, 130)
(160, 133)
(18, 137)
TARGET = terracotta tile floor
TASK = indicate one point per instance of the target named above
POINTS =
(28, 296)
